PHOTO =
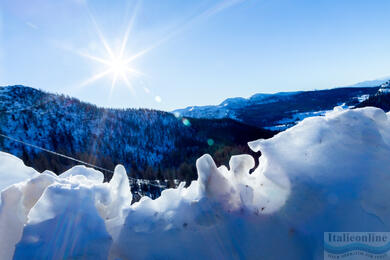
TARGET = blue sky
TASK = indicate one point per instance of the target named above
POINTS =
(192, 52)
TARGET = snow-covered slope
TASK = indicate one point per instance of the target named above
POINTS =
(59, 122)
(328, 173)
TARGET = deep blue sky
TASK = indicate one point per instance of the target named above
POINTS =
(203, 51)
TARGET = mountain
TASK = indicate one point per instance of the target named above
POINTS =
(281, 110)
(368, 83)
(150, 144)
(229, 107)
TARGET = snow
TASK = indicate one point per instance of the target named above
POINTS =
(286, 123)
(363, 98)
(64, 224)
(327, 173)
(385, 88)
(13, 170)
(80, 171)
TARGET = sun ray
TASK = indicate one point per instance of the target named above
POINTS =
(128, 30)
(101, 36)
(112, 86)
(134, 71)
(126, 80)
(103, 61)
(128, 84)
(95, 77)
(137, 55)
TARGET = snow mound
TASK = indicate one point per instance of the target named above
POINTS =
(328, 173)
(13, 170)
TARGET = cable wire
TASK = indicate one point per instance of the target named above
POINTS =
(55, 153)
(71, 158)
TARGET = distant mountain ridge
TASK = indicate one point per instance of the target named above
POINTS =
(281, 109)
(227, 109)
(367, 83)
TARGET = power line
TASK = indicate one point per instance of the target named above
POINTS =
(71, 158)
(55, 153)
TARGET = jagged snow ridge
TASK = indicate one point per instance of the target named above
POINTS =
(328, 173)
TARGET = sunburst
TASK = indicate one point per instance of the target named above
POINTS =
(117, 65)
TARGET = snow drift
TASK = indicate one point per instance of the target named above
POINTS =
(328, 173)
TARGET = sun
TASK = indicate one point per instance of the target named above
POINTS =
(116, 63)
(118, 66)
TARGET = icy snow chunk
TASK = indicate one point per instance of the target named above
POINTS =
(17, 200)
(64, 224)
(211, 182)
(120, 193)
(241, 164)
(13, 170)
(11, 221)
(91, 175)
(50, 209)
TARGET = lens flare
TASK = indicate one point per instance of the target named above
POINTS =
(186, 122)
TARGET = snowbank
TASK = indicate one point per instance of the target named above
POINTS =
(13, 170)
(328, 173)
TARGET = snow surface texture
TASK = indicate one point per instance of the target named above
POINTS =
(328, 173)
